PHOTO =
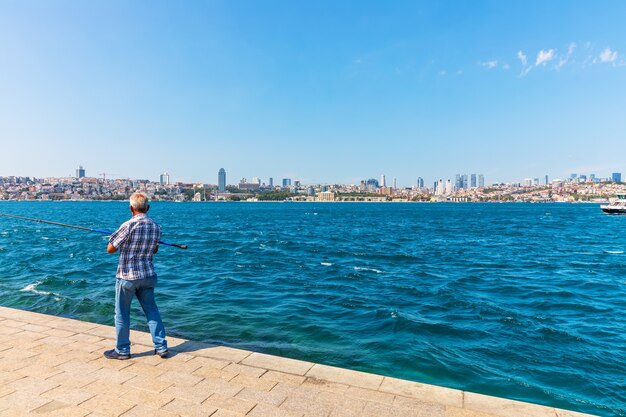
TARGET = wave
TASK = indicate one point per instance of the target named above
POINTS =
(326, 264)
(360, 268)
(32, 288)
(614, 252)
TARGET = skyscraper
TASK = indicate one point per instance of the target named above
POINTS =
(80, 172)
(546, 180)
(221, 180)
(420, 182)
(464, 182)
(164, 179)
(481, 181)
(395, 183)
(383, 181)
(616, 177)
(271, 182)
(286, 182)
(457, 182)
(473, 180)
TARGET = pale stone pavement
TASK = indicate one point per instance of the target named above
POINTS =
(51, 366)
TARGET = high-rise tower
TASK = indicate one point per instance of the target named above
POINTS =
(221, 180)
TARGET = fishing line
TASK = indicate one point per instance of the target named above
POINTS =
(102, 232)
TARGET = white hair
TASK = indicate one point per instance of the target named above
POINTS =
(139, 202)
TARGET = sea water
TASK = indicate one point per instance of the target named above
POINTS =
(524, 301)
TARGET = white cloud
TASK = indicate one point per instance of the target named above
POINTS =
(564, 60)
(522, 57)
(489, 64)
(544, 57)
(506, 67)
(607, 55)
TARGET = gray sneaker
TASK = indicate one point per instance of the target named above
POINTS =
(112, 354)
(162, 353)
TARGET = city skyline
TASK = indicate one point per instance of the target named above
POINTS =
(511, 90)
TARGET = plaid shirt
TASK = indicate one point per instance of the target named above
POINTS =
(137, 239)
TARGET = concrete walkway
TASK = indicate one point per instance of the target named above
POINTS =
(51, 366)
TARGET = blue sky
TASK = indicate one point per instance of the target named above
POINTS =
(321, 91)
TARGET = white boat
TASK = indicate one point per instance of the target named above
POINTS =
(616, 205)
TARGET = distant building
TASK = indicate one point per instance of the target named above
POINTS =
(481, 181)
(440, 187)
(286, 182)
(80, 172)
(527, 182)
(395, 183)
(420, 182)
(546, 180)
(464, 182)
(256, 180)
(383, 181)
(249, 186)
(616, 177)
(449, 187)
(271, 182)
(221, 180)
(473, 181)
(296, 183)
(371, 185)
(535, 181)
(326, 196)
(457, 182)
(164, 179)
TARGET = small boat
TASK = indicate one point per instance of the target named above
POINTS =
(616, 205)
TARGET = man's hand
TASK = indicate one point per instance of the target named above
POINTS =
(156, 249)
(111, 249)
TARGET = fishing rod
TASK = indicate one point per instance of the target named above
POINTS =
(102, 232)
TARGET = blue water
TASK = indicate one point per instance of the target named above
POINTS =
(524, 301)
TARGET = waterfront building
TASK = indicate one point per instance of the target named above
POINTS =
(286, 182)
(616, 177)
(256, 180)
(546, 180)
(473, 181)
(457, 182)
(221, 180)
(582, 178)
(164, 179)
(326, 196)
(80, 172)
(395, 183)
(296, 183)
(249, 186)
(420, 183)
(271, 182)
(310, 190)
(527, 182)
(383, 181)
(449, 187)
(481, 181)
(535, 181)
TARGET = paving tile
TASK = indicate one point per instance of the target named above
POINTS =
(30, 335)
(462, 412)
(84, 347)
(106, 388)
(11, 364)
(35, 327)
(192, 394)
(58, 409)
(75, 326)
(284, 378)
(189, 409)
(180, 378)
(143, 370)
(38, 370)
(373, 409)
(349, 405)
(307, 403)
(244, 370)
(113, 375)
(107, 405)
(503, 407)
(274, 397)
(252, 382)
(323, 385)
(72, 396)
(9, 330)
(366, 394)
(266, 410)
(220, 386)
(33, 385)
(18, 354)
(72, 380)
(103, 362)
(78, 367)
(147, 383)
(226, 413)
(141, 410)
(56, 341)
(233, 404)
(22, 401)
(86, 338)
(424, 392)
(12, 323)
(209, 362)
(345, 376)
(6, 377)
(223, 353)
(208, 372)
(50, 359)
(147, 398)
(178, 366)
(6, 390)
(59, 332)
(277, 363)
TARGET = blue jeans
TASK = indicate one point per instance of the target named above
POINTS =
(144, 290)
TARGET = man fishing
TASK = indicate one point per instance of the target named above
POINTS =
(137, 239)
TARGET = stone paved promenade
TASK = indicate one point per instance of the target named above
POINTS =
(51, 366)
